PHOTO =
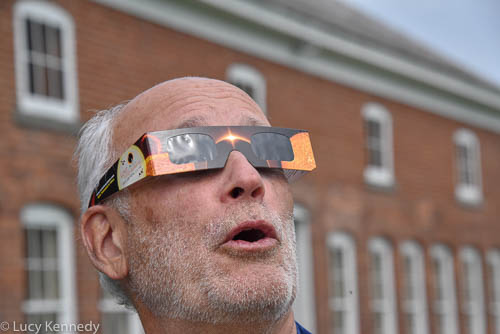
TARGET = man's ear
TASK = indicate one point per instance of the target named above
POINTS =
(104, 235)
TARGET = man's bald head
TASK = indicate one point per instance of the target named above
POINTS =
(180, 103)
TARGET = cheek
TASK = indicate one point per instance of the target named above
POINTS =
(174, 204)
(279, 195)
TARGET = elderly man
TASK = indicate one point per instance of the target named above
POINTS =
(192, 226)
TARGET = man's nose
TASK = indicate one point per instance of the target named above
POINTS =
(242, 180)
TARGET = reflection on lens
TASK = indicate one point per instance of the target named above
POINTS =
(191, 147)
(272, 146)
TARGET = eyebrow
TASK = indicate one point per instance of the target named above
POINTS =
(196, 121)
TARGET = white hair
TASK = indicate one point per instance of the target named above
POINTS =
(95, 155)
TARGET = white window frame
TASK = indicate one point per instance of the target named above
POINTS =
(471, 194)
(473, 308)
(42, 216)
(448, 306)
(250, 76)
(350, 303)
(387, 306)
(493, 258)
(65, 110)
(304, 306)
(382, 176)
(109, 305)
(418, 305)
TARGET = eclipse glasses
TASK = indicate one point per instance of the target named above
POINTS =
(201, 148)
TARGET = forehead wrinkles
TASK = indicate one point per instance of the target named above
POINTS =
(144, 111)
(214, 99)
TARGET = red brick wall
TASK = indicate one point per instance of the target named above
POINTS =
(119, 56)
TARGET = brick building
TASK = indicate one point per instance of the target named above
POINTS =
(397, 228)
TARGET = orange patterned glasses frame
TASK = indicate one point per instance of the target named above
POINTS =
(192, 149)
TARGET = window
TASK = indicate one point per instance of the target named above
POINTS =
(414, 293)
(249, 80)
(116, 318)
(45, 61)
(304, 307)
(383, 303)
(343, 298)
(49, 265)
(379, 151)
(445, 313)
(468, 162)
(494, 280)
(473, 297)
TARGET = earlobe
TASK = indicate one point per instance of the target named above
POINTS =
(103, 234)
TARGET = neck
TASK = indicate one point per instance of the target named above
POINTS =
(155, 325)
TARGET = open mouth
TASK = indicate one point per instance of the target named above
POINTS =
(252, 235)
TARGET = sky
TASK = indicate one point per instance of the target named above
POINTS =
(464, 31)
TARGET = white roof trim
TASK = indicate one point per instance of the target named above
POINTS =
(389, 76)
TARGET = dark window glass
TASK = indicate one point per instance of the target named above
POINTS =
(45, 63)
(246, 88)
(374, 143)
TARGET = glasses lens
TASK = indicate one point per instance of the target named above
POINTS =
(191, 147)
(272, 146)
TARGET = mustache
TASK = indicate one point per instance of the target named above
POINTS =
(217, 229)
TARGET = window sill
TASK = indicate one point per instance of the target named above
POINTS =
(41, 122)
(468, 195)
(379, 178)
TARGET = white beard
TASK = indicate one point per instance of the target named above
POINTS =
(175, 278)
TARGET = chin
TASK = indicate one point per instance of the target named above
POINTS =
(245, 296)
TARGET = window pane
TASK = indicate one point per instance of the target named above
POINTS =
(338, 322)
(409, 276)
(378, 326)
(33, 244)
(115, 323)
(343, 294)
(438, 278)
(410, 323)
(41, 318)
(376, 275)
(35, 284)
(465, 160)
(374, 143)
(246, 88)
(55, 79)
(373, 128)
(28, 35)
(53, 41)
(467, 283)
(36, 35)
(43, 280)
(31, 71)
(49, 244)
(39, 83)
(375, 158)
(440, 324)
(337, 275)
(473, 294)
(50, 284)
(469, 328)
(44, 60)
